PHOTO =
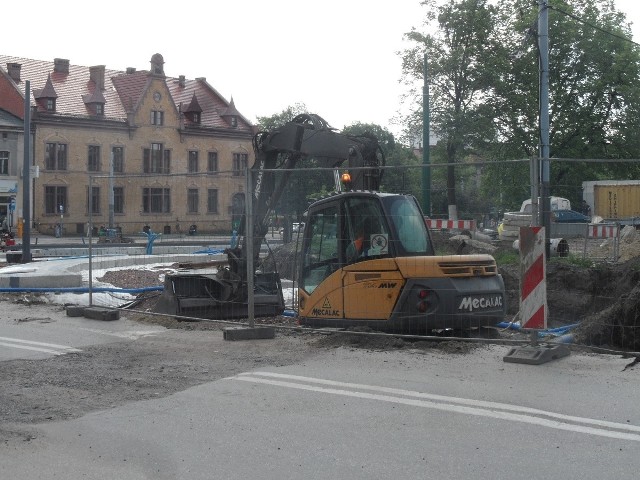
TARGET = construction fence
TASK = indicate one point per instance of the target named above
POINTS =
(167, 223)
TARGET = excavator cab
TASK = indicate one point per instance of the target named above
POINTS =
(368, 260)
(353, 227)
(349, 248)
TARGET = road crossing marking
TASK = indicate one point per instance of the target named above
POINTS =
(53, 348)
(466, 406)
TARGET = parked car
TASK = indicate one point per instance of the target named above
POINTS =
(569, 216)
(296, 227)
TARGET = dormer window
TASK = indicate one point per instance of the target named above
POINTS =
(193, 112)
(94, 102)
(230, 115)
(46, 97)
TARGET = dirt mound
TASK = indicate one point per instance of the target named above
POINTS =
(615, 326)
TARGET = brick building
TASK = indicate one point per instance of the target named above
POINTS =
(176, 147)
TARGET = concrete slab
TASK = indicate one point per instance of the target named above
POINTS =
(101, 313)
(75, 311)
(248, 333)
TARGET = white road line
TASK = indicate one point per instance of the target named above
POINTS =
(54, 348)
(453, 404)
(458, 400)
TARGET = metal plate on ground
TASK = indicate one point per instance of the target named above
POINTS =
(536, 354)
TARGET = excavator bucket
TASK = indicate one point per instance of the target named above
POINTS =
(204, 296)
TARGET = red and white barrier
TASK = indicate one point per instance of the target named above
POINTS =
(438, 224)
(603, 231)
(533, 282)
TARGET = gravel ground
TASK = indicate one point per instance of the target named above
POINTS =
(105, 376)
(186, 354)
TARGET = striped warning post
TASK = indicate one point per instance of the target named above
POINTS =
(439, 224)
(603, 230)
(533, 284)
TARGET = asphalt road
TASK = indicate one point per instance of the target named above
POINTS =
(296, 407)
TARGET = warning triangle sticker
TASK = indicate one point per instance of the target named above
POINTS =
(326, 303)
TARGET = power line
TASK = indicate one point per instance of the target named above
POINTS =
(578, 19)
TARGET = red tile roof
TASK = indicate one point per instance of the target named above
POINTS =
(122, 92)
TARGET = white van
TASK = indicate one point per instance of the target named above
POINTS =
(557, 203)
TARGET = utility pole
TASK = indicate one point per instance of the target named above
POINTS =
(111, 199)
(26, 177)
(543, 44)
(426, 168)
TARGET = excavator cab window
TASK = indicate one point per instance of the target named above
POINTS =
(411, 234)
(321, 248)
(365, 230)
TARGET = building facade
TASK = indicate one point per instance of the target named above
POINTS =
(129, 149)
(11, 160)
(11, 151)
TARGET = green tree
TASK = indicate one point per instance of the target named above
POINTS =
(459, 55)
(278, 119)
(484, 85)
(594, 91)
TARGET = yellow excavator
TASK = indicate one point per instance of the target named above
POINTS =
(366, 257)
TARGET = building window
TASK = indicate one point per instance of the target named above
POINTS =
(212, 162)
(50, 104)
(156, 200)
(4, 162)
(93, 162)
(234, 122)
(99, 109)
(94, 201)
(195, 117)
(55, 200)
(118, 159)
(156, 159)
(157, 117)
(212, 200)
(118, 199)
(239, 164)
(193, 200)
(55, 156)
(193, 161)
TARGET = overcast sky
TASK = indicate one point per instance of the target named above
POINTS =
(338, 57)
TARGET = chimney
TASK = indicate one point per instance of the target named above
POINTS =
(181, 80)
(13, 69)
(131, 70)
(61, 65)
(96, 73)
